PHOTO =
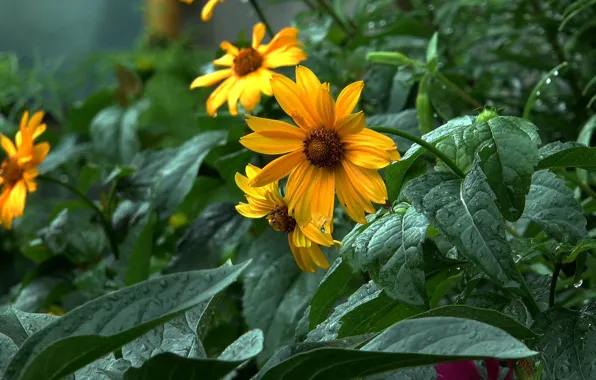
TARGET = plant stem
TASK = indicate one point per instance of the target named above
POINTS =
(335, 17)
(431, 148)
(261, 15)
(553, 284)
(581, 184)
(460, 92)
(107, 225)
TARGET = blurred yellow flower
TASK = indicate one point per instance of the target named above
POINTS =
(330, 150)
(19, 168)
(208, 8)
(267, 201)
(249, 74)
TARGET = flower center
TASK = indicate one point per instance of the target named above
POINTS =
(247, 61)
(280, 220)
(323, 148)
(11, 171)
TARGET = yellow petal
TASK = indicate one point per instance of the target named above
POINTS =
(289, 57)
(16, 199)
(353, 202)
(258, 33)
(316, 235)
(229, 48)
(219, 96)
(300, 240)
(248, 212)
(242, 183)
(369, 157)
(8, 146)
(317, 256)
(5, 214)
(39, 130)
(234, 94)
(285, 37)
(348, 99)
(287, 94)
(323, 198)
(297, 256)
(298, 190)
(35, 120)
(211, 79)
(274, 128)
(225, 60)
(266, 145)
(326, 108)
(251, 96)
(366, 182)
(40, 151)
(369, 137)
(24, 120)
(263, 81)
(207, 10)
(278, 169)
(307, 80)
(350, 124)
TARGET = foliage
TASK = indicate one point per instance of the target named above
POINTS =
(131, 261)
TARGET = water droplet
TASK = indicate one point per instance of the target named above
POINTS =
(537, 93)
(548, 80)
(556, 73)
(578, 284)
(144, 347)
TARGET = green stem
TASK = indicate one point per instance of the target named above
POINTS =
(428, 146)
(553, 284)
(259, 11)
(581, 184)
(335, 17)
(107, 225)
(459, 91)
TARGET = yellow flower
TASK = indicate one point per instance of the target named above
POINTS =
(208, 8)
(266, 201)
(330, 150)
(249, 72)
(19, 168)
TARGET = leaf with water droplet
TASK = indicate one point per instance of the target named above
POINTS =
(118, 319)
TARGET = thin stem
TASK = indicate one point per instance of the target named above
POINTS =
(512, 231)
(581, 184)
(261, 15)
(553, 284)
(335, 17)
(460, 92)
(431, 148)
(107, 225)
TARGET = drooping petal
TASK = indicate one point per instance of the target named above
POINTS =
(298, 184)
(367, 156)
(258, 33)
(300, 192)
(219, 96)
(211, 79)
(263, 80)
(317, 256)
(298, 256)
(16, 199)
(323, 198)
(353, 202)
(251, 96)
(300, 240)
(350, 124)
(278, 169)
(267, 145)
(5, 214)
(326, 108)
(367, 182)
(348, 99)
(316, 235)
(8, 146)
(234, 94)
(287, 94)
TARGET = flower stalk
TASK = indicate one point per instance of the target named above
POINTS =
(259, 12)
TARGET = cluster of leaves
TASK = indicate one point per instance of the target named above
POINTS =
(492, 258)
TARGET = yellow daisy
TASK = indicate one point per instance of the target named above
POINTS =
(267, 201)
(249, 71)
(208, 8)
(19, 168)
(330, 150)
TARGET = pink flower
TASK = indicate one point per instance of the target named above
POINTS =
(467, 370)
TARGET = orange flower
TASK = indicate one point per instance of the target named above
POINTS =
(267, 201)
(249, 72)
(329, 151)
(19, 168)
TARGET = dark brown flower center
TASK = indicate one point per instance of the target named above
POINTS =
(280, 220)
(247, 61)
(11, 171)
(323, 148)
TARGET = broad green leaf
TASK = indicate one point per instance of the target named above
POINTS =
(566, 346)
(218, 227)
(68, 149)
(490, 317)
(585, 137)
(508, 153)
(114, 133)
(553, 207)
(373, 316)
(390, 250)
(9, 348)
(107, 323)
(406, 120)
(79, 117)
(465, 213)
(431, 52)
(328, 329)
(137, 249)
(415, 342)
(570, 154)
(171, 173)
(18, 325)
(398, 172)
(339, 281)
(276, 292)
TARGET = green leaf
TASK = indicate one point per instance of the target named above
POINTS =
(171, 172)
(465, 213)
(107, 323)
(536, 90)
(18, 325)
(390, 250)
(553, 207)
(566, 344)
(114, 133)
(431, 52)
(339, 281)
(415, 342)
(68, 149)
(276, 292)
(218, 227)
(508, 153)
(9, 348)
(138, 249)
(406, 121)
(569, 154)
(398, 173)
(424, 111)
